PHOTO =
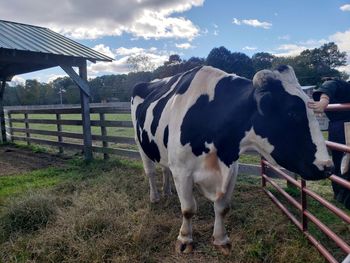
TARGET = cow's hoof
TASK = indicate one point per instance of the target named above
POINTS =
(183, 248)
(154, 198)
(167, 193)
(224, 249)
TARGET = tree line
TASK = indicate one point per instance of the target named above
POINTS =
(310, 66)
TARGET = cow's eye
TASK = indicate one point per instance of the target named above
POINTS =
(294, 116)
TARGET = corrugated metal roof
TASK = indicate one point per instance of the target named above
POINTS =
(40, 39)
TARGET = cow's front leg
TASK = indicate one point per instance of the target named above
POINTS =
(184, 188)
(167, 182)
(220, 238)
(221, 208)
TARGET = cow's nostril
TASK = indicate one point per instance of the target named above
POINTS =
(328, 170)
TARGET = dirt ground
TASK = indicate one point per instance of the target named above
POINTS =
(14, 160)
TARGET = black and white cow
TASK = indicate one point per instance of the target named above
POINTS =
(196, 124)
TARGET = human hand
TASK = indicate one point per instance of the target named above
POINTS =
(318, 106)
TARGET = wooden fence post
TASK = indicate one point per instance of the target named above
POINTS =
(10, 126)
(2, 114)
(26, 123)
(59, 130)
(104, 134)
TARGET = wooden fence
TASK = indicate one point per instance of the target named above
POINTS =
(27, 118)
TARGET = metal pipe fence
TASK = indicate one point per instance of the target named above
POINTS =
(302, 206)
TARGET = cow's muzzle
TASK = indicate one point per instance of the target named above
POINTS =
(328, 171)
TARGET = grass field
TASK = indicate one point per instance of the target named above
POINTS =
(100, 212)
(112, 131)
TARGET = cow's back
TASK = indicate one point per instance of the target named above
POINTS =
(159, 108)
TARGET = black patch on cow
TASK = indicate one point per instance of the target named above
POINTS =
(287, 128)
(141, 90)
(180, 88)
(282, 68)
(222, 121)
(155, 91)
(152, 92)
(186, 80)
(149, 147)
(166, 136)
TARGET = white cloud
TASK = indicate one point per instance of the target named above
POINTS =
(121, 55)
(122, 51)
(205, 31)
(104, 50)
(252, 22)
(184, 45)
(84, 19)
(342, 39)
(236, 21)
(284, 37)
(249, 48)
(52, 77)
(294, 49)
(289, 50)
(345, 7)
(17, 80)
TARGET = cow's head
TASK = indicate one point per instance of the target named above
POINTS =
(289, 126)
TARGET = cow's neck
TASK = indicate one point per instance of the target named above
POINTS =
(252, 141)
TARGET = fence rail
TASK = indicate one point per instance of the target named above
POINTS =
(302, 206)
(27, 118)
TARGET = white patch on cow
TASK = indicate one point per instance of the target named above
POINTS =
(205, 82)
(291, 85)
(166, 80)
(252, 141)
(345, 163)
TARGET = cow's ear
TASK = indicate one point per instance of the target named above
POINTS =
(262, 82)
(264, 101)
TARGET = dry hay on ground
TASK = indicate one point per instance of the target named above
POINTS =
(14, 160)
(107, 217)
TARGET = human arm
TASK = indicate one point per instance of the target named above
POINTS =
(321, 105)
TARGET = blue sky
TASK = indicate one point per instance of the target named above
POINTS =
(156, 28)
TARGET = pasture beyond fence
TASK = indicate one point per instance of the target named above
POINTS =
(302, 206)
(61, 127)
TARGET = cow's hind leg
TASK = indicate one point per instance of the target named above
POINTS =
(150, 170)
(221, 208)
(184, 188)
(166, 181)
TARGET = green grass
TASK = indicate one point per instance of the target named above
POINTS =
(100, 212)
(250, 159)
(11, 185)
(324, 189)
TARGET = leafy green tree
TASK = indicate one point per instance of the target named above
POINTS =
(241, 65)
(140, 62)
(262, 60)
(220, 58)
(235, 62)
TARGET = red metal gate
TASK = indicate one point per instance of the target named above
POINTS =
(302, 206)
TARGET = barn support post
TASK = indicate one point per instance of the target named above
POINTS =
(2, 114)
(81, 81)
(85, 113)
